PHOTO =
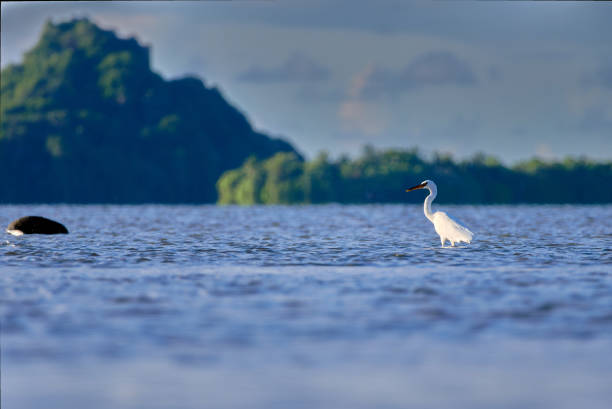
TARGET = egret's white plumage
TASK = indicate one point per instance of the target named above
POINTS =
(447, 228)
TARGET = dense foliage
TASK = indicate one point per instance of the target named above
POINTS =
(84, 119)
(383, 176)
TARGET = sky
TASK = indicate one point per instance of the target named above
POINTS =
(510, 79)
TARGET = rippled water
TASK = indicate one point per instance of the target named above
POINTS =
(311, 306)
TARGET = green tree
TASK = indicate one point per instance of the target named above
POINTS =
(382, 176)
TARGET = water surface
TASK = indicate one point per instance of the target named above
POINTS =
(307, 306)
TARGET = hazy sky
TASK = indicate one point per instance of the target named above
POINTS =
(513, 79)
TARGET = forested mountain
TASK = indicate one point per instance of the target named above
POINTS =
(85, 119)
(382, 177)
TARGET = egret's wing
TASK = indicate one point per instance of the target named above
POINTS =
(447, 227)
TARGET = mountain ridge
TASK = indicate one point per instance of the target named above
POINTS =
(85, 119)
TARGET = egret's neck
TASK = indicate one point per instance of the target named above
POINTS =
(427, 204)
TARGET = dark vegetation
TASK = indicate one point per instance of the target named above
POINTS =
(383, 176)
(84, 119)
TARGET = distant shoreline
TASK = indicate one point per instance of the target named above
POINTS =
(380, 176)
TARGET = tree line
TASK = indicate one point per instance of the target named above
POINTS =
(381, 176)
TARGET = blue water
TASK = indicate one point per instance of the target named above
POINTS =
(307, 307)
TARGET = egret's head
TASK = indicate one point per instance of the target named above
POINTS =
(426, 184)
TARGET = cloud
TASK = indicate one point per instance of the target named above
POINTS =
(545, 151)
(495, 73)
(297, 67)
(323, 93)
(600, 78)
(592, 110)
(430, 69)
(365, 118)
(360, 81)
(358, 113)
(596, 119)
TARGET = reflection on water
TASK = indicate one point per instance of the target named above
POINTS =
(345, 306)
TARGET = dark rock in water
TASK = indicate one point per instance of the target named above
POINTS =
(35, 225)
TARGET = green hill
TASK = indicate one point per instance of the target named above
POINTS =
(84, 119)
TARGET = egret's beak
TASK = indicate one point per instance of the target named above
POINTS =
(421, 186)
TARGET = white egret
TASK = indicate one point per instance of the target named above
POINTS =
(447, 228)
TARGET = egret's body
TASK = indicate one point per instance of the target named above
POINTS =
(447, 228)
